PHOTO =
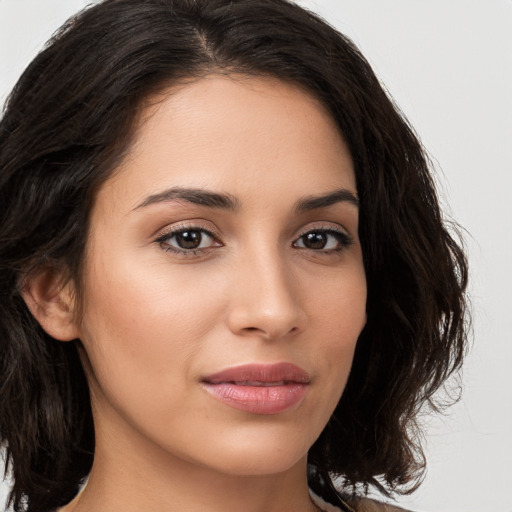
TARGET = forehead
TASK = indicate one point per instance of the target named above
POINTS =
(236, 133)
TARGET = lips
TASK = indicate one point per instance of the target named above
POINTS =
(259, 389)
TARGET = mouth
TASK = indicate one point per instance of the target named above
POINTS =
(259, 389)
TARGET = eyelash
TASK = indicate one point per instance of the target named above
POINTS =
(343, 239)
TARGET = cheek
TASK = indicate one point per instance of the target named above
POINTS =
(338, 315)
(143, 324)
(339, 306)
(141, 336)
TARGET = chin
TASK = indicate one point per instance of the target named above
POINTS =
(260, 455)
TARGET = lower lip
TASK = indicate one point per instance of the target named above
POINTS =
(258, 399)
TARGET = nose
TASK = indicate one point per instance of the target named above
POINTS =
(267, 300)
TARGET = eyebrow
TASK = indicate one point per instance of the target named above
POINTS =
(229, 202)
(195, 196)
(323, 201)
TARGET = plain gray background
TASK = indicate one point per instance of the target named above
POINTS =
(448, 64)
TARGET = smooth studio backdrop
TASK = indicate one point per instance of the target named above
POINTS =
(448, 64)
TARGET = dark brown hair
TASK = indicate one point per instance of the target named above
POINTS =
(66, 125)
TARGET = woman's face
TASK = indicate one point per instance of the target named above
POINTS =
(224, 287)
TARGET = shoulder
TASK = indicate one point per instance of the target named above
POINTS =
(368, 505)
(354, 504)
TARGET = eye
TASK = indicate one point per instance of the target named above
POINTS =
(323, 240)
(188, 240)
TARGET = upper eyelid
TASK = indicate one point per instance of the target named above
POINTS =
(183, 226)
(334, 226)
(331, 230)
(323, 228)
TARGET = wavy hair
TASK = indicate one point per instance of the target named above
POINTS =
(66, 126)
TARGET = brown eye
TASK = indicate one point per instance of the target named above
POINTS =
(190, 239)
(315, 240)
(323, 240)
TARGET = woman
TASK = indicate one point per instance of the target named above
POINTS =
(225, 280)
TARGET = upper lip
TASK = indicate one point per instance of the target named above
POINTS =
(277, 373)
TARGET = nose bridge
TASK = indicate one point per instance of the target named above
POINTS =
(266, 301)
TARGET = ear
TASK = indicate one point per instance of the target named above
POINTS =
(51, 300)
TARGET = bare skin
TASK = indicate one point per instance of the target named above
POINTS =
(276, 277)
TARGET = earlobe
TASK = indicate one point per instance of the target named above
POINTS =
(52, 302)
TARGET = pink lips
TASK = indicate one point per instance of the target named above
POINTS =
(259, 389)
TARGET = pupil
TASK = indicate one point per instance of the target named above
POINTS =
(315, 240)
(189, 239)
